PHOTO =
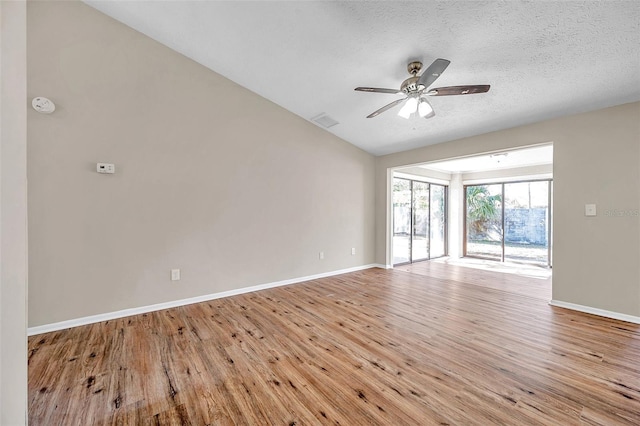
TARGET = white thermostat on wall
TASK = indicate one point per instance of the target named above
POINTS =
(106, 168)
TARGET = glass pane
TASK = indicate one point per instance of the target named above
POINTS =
(526, 222)
(437, 229)
(420, 240)
(484, 221)
(401, 220)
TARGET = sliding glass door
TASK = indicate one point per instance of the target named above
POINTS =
(437, 221)
(401, 221)
(484, 221)
(509, 221)
(419, 220)
(420, 235)
(526, 222)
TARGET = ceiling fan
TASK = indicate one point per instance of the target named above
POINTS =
(417, 88)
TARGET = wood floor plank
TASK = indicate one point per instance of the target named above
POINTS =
(424, 344)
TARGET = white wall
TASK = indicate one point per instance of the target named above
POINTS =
(596, 160)
(210, 178)
(433, 175)
(542, 171)
(455, 219)
(13, 214)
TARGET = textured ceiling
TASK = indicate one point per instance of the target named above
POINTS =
(542, 59)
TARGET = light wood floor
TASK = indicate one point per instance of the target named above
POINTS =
(526, 285)
(437, 345)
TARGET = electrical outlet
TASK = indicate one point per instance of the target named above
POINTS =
(353, 251)
(590, 210)
(321, 255)
(175, 275)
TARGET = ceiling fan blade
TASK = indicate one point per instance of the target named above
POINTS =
(377, 90)
(458, 90)
(432, 73)
(386, 107)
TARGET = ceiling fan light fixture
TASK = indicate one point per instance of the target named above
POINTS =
(417, 87)
(425, 110)
(408, 108)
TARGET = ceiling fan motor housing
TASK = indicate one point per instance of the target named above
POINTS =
(414, 68)
(411, 85)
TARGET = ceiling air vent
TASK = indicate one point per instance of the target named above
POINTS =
(324, 120)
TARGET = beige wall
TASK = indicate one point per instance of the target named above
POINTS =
(596, 160)
(13, 214)
(210, 178)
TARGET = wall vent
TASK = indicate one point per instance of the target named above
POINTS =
(324, 120)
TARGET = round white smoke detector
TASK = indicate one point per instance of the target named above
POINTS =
(43, 105)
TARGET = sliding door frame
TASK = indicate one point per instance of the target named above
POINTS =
(412, 220)
(502, 208)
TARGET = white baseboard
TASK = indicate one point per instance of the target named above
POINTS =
(46, 328)
(596, 311)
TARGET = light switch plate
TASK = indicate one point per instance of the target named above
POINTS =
(590, 210)
(175, 275)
